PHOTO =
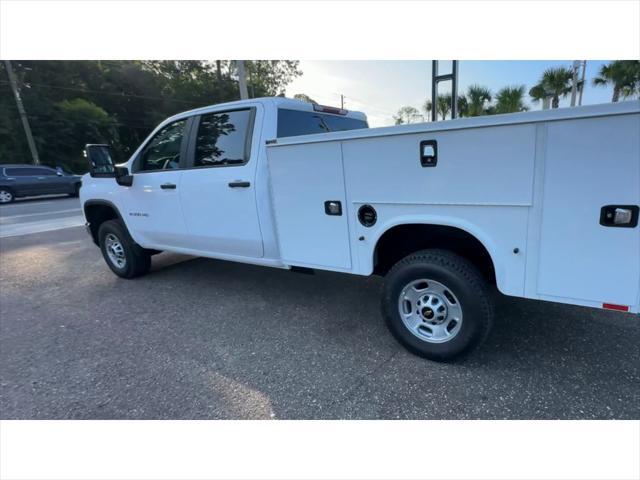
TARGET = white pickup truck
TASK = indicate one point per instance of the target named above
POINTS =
(543, 205)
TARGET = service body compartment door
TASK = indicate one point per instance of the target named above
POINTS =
(590, 163)
(303, 179)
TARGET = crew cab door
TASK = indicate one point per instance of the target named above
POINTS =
(217, 190)
(152, 202)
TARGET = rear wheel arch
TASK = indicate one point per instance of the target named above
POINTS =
(400, 240)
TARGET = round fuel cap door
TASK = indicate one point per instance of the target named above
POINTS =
(367, 215)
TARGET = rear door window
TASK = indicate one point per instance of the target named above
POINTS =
(292, 123)
(223, 138)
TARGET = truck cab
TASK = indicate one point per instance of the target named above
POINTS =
(199, 183)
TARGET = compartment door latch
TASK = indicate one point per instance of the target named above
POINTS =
(624, 216)
(333, 207)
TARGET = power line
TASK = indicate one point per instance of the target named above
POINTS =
(101, 92)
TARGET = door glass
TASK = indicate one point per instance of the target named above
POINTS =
(43, 172)
(163, 151)
(20, 172)
(222, 139)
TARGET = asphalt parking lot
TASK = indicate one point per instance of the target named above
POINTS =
(207, 339)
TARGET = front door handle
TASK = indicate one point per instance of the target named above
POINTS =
(239, 184)
(168, 186)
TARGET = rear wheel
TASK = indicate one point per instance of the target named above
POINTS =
(6, 195)
(437, 304)
(123, 256)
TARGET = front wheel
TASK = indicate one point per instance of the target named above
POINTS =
(437, 304)
(124, 257)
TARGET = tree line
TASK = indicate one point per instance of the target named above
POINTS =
(623, 76)
(71, 103)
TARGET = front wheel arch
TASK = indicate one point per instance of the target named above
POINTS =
(96, 212)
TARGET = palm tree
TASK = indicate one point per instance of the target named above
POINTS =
(624, 75)
(463, 106)
(511, 99)
(555, 83)
(478, 100)
(444, 105)
(426, 108)
(537, 94)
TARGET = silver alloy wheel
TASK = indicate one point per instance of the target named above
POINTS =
(5, 196)
(430, 310)
(115, 250)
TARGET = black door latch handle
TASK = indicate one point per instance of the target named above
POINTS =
(239, 184)
(168, 186)
(429, 153)
(625, 216)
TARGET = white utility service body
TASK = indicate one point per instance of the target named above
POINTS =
(533, 182)
(549, 199)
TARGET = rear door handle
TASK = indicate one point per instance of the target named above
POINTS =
(168, 186)
(239, 184)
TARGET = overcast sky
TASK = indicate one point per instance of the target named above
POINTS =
(380, 88)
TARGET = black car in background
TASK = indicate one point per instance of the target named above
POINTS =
(30, 180)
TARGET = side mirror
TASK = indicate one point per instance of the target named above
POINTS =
(100, 159)
(123, 177)
(102, 164)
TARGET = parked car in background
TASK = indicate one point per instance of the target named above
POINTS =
(21, 180)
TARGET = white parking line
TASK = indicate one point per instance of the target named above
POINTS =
(25, 215)
(28, 228)
(18, 203)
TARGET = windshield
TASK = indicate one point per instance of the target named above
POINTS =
(292, 123)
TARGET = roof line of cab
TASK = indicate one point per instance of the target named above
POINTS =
(276, 101)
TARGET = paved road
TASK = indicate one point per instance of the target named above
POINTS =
(39, 214)
(200, 338)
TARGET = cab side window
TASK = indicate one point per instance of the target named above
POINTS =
(163, 151)
(223, 139)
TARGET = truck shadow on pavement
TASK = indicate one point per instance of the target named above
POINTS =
(201, 338)
(323, 334)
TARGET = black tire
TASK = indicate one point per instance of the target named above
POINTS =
(461, 279)
(6, 193)
(137, 260)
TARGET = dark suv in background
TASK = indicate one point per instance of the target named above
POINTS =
(30, 180)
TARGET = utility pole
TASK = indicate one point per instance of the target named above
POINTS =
(584, 72)
(242, 80)
(342, 101)
(577, 65)
(23, 113)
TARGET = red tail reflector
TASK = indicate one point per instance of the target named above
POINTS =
(613, 306)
